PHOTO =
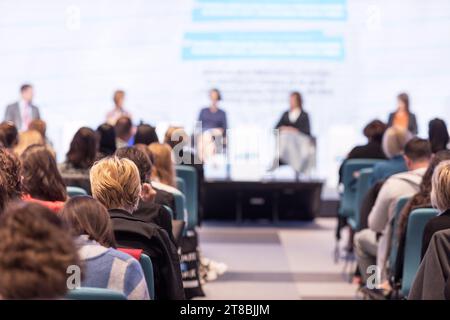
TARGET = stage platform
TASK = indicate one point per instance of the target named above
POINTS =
(255, 200)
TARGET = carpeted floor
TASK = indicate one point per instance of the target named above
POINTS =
(283, 262)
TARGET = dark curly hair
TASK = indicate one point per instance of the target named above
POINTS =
(12, 172)
(36, 248)
(41, 178)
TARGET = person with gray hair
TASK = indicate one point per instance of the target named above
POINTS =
(393, 144)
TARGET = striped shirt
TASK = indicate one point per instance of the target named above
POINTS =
(111, 269)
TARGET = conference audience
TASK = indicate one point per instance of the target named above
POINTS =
(26, 139)
(403, 117)
(42, 182)
(106, 136)
(145, 134)
(440, 198)
(23, 112)
(124, 131)
(373, 244)
(373, 149)
(117, 185)
(421, 199)
(104, 266)
(9, 134)
(118, 111)
(36, 250)
(393, 143)
(438, 135)
(79, 159)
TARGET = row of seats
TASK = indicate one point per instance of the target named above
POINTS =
(356, 180)
(186, 202)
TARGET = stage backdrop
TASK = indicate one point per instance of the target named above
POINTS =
(348, 58)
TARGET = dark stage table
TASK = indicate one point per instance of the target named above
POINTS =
(252, 200)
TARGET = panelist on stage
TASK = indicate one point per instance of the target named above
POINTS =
(296, 147)
(118, 111)
(23, 112)
(403, 117)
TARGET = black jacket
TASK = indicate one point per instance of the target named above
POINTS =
(131, 232)
(165, 198)
(435, 224)
(155, 213)
(302, 122)
(412, 124)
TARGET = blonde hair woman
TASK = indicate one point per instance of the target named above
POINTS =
(26, 139)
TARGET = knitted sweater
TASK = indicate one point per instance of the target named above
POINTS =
(111, 269)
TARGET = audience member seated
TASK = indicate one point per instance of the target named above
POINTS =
(41, 127)
(394, 141)
(145, 134)
(372, 245)
(147, 209)
(36, 250)
(42, 181)
(11, 170)
(422, 199)
(116, 184)
(79, 159)
(104, 266)
(440, 198)
(10, 134)
(106, 135)
(432, 281)
(403, 117)
(118, 110)
(163, 170)
(373, 149)
(162, 197)
(438, 135)
(124, 132)
(26, 139)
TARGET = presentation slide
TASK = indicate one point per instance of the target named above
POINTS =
(348, 58)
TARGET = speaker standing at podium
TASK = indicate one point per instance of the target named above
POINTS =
(23, 112)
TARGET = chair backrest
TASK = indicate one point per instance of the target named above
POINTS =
(147, 267)
(401, 202)
(189, 175)
(75, 191)
(169, 210)
(347, 205)
(362, 187)
(413, 245)
(94, 294)
(180, 206)
(181, 185)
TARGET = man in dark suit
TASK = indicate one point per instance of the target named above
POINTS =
(23, 112)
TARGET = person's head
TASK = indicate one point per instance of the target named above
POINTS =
(295, 101)
(87, 216)
(215, 96)
(107, 139)
(440, 191)
(403, 102)
(438, 135)
(144, 165)
(26, 139)
(417, 154)
(36, 250)
(163, 168)
(116, 183)
(394, 141)
(124, 128)
(26, 92)
(176, 135)
(374, 130)
(38, 125)
(11, 170)
(145, 134)
(118, 98)
(41, 178)
(10, 134)
(425, 186)
(83, 148)
(3, 192)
